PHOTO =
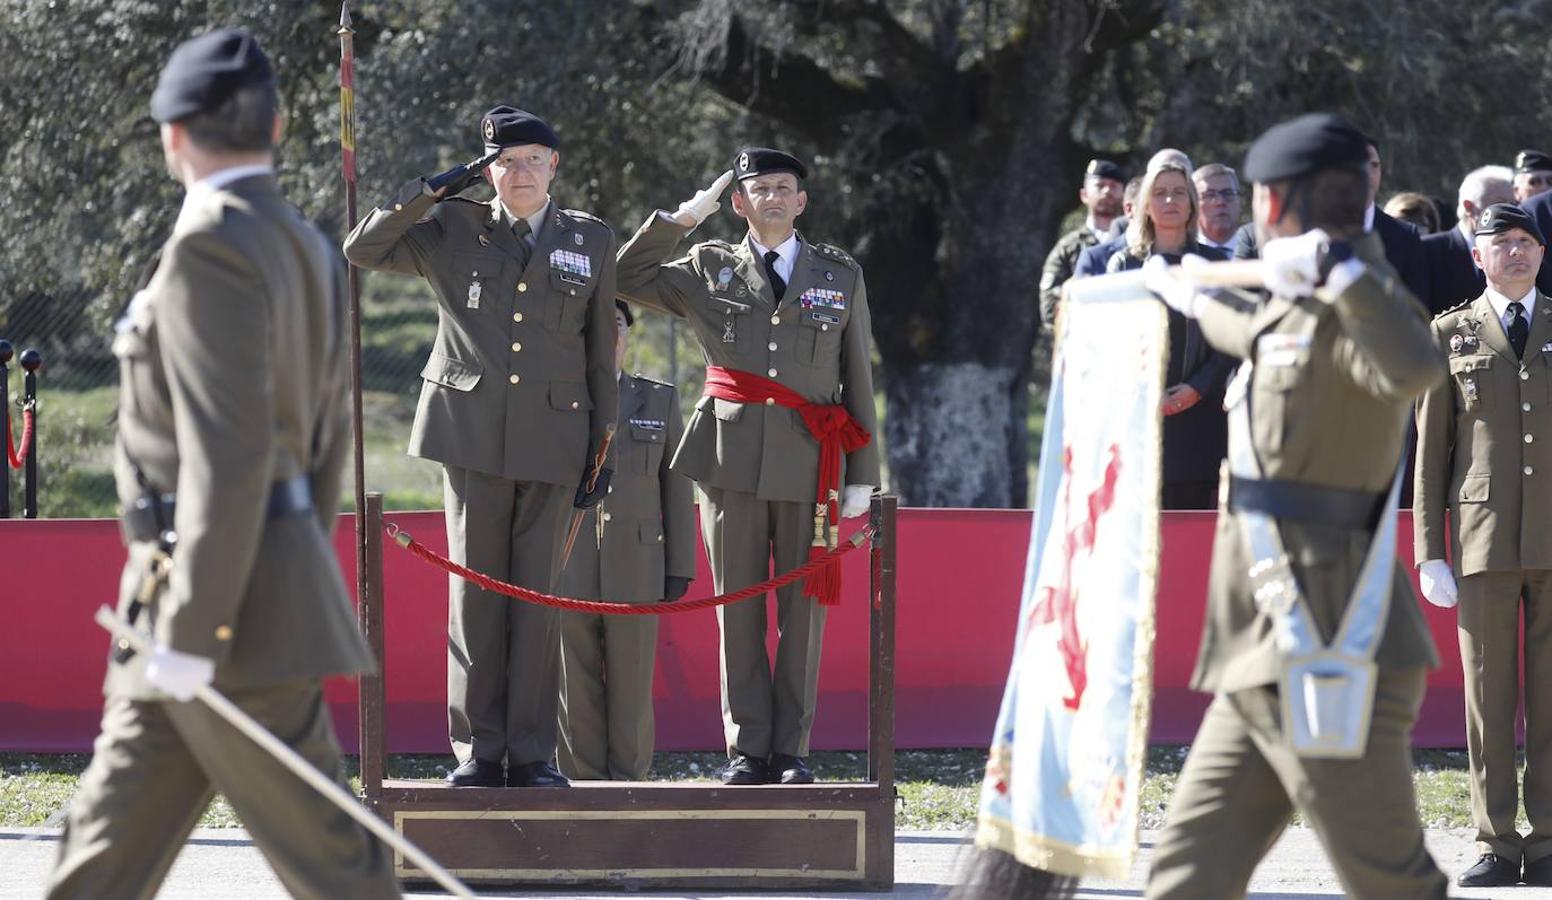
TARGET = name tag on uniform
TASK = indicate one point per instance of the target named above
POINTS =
(1547, 347)
(822, 298)
(574, 268)
(827, 318)
(649, 424)
(1280, 349)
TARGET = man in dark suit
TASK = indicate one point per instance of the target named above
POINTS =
(1540, 208)
(1453, 276)
(1532, 175)
(1403, 245)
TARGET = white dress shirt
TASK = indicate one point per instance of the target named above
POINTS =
(1501, 306)
(786, 254)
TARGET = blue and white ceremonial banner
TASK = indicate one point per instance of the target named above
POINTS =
(1067, 757)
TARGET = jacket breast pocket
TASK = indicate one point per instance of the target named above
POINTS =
(819, 340)
(1472, 377)
(1274, 406)
(451, 373)
(566, 312)
(477, 281)
(647, 445)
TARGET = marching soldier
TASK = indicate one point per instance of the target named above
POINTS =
(1484, 447)
(233, 434)
(1313, 647)
(518, 394)
(784, 326)
(1103, 183)
(637, 546)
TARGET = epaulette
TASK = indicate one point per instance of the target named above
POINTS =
(715, 243)
(652, 381)
(830, 251)
(469, 200)
(587, 217)
(1456, 308)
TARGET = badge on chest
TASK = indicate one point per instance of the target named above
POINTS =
(574, 268)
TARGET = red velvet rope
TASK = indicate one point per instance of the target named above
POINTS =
(17, 458)
(403, 539)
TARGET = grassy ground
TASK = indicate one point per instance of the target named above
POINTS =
(938, 789)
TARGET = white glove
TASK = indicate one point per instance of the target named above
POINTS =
(1290, 266)
(1174, 286)
(1438, 583)
(856, 499)
(697, 209)
(178, 675)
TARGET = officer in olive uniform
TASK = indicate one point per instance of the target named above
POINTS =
(780, 308)
(233, 434)
(518, 393)
(637, 546)
(1103, 183)
(1335, 358)
(1484, 452)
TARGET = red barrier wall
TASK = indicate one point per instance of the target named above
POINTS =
(959, 582)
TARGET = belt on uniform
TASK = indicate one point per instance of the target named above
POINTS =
(286, 498)
(1299, 502)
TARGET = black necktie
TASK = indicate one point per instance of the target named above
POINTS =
(778, 285)
(522, 232)
(1519, 329)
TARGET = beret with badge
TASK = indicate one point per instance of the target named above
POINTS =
(508, 126)
(1502, 217)
(1310, 143)
(206, 71)
(1104, 168)
(752, 162)
(1527, 161)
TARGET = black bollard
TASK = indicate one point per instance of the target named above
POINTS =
(6, 352)
(31, 361)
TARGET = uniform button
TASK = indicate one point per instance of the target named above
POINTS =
(660, 539)
(572, 292)
(776, 319)
(771, 345)
(771, 372)
(514, 379)
(1529, 470)
(824, 327)
(224, 633)
(575, 404)
(1524, 375)
(516, 347)
(770, 401)
(1525, 406)
(1529, 438)
(517, 317)
(608, 518)
(398, 207)
(522, 287)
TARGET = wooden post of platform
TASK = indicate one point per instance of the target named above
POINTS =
(371, 699)
(881, 680)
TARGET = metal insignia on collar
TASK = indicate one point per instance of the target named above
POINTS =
(829, 276)
(484, 241)
(725, 277)
(576, 237)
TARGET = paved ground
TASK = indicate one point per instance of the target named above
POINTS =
(223, 863)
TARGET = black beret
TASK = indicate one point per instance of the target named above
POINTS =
(1502, 217)
(204, 71)
(1311, 143)
(1532, 161)
(752, 162)
(624, 308)
(1104, 168)
(508, 126)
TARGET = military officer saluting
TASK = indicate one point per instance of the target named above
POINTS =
(636, 546)
(1484, 451)
(233, 435)
(1314, 646)
(1103, 184)
(518, 394)
(783, 324)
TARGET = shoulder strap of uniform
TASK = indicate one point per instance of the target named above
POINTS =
(830, 251)
(1456, 308)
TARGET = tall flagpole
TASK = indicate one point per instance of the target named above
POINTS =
(348, 170)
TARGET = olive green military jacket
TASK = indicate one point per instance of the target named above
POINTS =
(1484, 446)
(1059, 265)
(817, 343)
(1333, 380)
(235, 375)
(521, 381)
(648, 517)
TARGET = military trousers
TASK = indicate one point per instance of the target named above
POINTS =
(1488, 625)
(1242, 782)
(154, 769)
(766, 707)
(503, 655)
(606, 724)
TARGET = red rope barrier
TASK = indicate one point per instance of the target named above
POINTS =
(17, 458)
(403, 539)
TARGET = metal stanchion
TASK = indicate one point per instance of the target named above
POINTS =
(31, 361)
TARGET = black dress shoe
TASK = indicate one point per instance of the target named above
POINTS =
(790, 770)
(1491, 870)
(746, 769)
(1539, 873)
(476, 773)
(536, 774)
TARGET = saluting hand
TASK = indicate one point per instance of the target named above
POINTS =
(1438, 583)
(1290, 266)
(699, 208)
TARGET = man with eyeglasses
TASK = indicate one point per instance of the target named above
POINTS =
(1217, 186)
(517, 397)
(1532, 174)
